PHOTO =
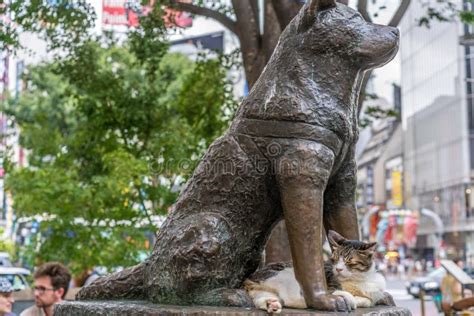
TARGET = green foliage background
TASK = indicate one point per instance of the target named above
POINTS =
(112, 131)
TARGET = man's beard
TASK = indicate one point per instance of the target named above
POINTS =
(41, 304)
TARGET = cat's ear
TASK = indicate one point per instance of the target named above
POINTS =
(371, 247)
(335, 240)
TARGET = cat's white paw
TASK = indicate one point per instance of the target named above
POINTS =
(349, 298)
(273, 306)
(363, 302)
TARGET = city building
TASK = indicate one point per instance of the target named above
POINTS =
(370, 162)
(438, 130)
(380, 180)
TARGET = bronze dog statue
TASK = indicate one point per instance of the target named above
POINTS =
(289, 153)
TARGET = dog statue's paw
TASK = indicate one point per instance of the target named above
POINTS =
(329, 302)
(273, 306)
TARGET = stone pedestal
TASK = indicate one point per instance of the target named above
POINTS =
(138, 308)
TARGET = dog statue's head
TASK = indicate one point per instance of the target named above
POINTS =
(324, 27)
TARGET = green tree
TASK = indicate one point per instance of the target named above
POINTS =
(62, 23)
(7, 246)
(111, 131)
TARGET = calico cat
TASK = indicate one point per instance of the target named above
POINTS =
(350, 273)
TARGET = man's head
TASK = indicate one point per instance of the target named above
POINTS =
(459, 262)
(51, 283)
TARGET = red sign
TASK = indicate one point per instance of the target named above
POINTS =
(178, 18)
(127, 12)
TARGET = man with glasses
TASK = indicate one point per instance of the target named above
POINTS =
(51, 285)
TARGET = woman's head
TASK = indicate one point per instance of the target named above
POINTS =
(6, 296)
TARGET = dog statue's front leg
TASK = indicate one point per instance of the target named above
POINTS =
(302, 175)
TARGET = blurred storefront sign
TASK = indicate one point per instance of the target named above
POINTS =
(410, 227)
(123, 12)
(213, 41)
(397, 189)
(128, 12)
(402, 230)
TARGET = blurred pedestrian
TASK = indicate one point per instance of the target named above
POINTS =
(51, 284)
(418, 266)
(451, 288)
(6, 298)
(409, 266)
(401, 270)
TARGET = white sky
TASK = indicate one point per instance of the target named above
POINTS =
(390, 73)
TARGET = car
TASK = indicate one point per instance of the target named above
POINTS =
(5, 259)
(430, 283)
(16, 276)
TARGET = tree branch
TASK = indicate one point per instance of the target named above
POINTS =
(285, 11)
(209, 13)
(256, 13)
(272, 30)
(250, 40)
(397, 17)
(362, 8)
(246, 20)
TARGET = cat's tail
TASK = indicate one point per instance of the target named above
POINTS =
(250, 285)
(126, 284)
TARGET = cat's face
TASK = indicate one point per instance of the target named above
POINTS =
(350, 258)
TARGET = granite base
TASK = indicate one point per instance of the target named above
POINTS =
(141, 308)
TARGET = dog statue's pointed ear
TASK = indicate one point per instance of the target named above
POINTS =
(335, 240)
(310, 9)
(318, 5)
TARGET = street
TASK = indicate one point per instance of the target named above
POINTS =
(396, 287)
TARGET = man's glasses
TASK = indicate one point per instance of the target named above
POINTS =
(42, 289)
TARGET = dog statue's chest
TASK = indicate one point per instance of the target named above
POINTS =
(339, 119)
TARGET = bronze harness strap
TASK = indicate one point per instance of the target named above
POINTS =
(288, 129)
